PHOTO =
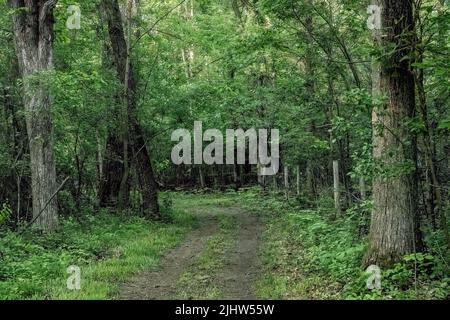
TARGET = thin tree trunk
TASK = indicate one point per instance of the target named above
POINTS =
(310, 183)
(201, 177)
(311, 89)
(112, 172)
(433, 182)
(362, 188)
(236, 176)
(99, 160)
(16, 133)
(286, 181)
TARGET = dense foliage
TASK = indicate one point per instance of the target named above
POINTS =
(304, 67)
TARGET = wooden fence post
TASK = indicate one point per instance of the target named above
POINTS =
(286, 181)
(337, 195)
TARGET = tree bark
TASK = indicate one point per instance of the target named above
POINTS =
(286, 181)
(311, 89)
(33, 36)
(237, 177)
(125, 71)
(362, 188)
(394, 224)
(201, 177)
(112, 172)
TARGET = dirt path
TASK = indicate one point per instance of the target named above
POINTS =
(240, 261)
(242, 264)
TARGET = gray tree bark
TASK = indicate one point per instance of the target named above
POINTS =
(33, 37)
(394, 224)
(362, 188)
(336, 187)
(286, 181)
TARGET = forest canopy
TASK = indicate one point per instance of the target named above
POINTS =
(92, 93)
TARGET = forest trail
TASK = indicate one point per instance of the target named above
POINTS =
(242, 265)
(233, 263)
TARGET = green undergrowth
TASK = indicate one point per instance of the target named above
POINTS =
(307, 253)
(107, 247)
(312, 254)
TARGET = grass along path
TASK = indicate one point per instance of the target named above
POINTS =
(108, 249)
(209, 250)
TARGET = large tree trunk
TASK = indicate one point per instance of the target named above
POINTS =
(125, 71)
(114, 185)
(394, 225)
(144, 169)
(33, 35)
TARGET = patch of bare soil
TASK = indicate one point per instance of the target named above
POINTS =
(242, 264)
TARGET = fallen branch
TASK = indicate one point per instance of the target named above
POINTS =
(45, 206)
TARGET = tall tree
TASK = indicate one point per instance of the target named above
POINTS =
(33, 35)
(127, 76)
(394, 222)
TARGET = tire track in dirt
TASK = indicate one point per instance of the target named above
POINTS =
(235, 280)
(160, 283)
(242, 265)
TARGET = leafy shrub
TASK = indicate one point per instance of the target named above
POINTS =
(5, 213)
(332, 251)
